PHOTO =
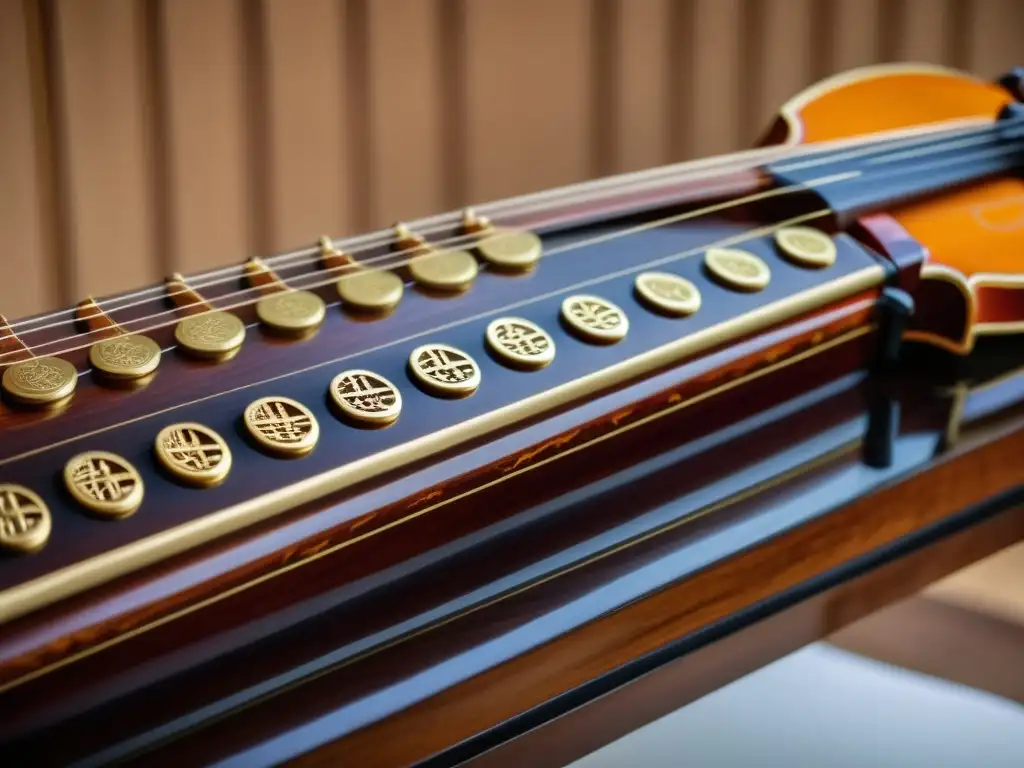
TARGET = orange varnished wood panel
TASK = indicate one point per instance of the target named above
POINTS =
(977, 232)
(308, 158)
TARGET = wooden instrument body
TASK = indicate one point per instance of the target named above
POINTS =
(487, 539)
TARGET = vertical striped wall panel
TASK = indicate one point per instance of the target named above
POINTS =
(141, 137)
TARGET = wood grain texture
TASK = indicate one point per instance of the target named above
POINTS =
(190, 134)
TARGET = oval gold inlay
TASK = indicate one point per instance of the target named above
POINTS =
(520, 343)
(594, 319)
(125, 357)
(104, 483)
(210, 335)
(444, 270)
(25, 523)
(291, 312)
(193, 453)
(40, 381)
(372, 290)
(737, 269)
(444, 371)
(366, 397)
(282, 426)
(667, 293)
(807, 247)
(510, 250)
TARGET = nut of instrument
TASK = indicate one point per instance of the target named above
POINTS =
(594, 319)
(193, 454)
(448, 271)
(24, 520)
(40, 381)
(372, 290)
(510, 250)
(806, 247)
(444, 371)
(104, 483)
(282, 426)
(291, 312)
(520, 343)
(125, 357)
(210, 335)
(736, 269)
(366, 398)
(668, 294)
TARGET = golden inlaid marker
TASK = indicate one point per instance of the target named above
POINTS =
(505, 249)
(125, 357)
(520, 343)
(282, 426)
(667, 293)
(40, 381)
(444, 371)
(366, 397)
(193, 453)
(594, 319)
(104, 483)
(24, 520)
(210, 335)
(807, 247)
(291, 312)
(371, 290)
(737, 269)
(449, 271)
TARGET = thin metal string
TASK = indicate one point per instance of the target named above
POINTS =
(776, 192)
(779, 191)
(585, 191)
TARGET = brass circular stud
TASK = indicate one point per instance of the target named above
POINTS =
(193, 454)
(450, 271)
(210, 335)
(24, 520)
(282, 426)
(737, 269)
(104, 483)
(806, 246)
(291, 312)
(595, 319)
(510, 250)
(520, 343)
(372, 290)
(667, 293)
(444, 371)
(366, 397)
(125, 357)
(40, 381)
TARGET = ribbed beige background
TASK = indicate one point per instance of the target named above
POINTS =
(139, 137)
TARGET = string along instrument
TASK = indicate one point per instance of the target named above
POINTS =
(194, 457)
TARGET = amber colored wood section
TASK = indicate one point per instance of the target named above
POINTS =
(189, 134)
(308, 142)
(687, 678)
(966, 478)
(527, 92)
(100, 74)
(212, 163)
(22, 215)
